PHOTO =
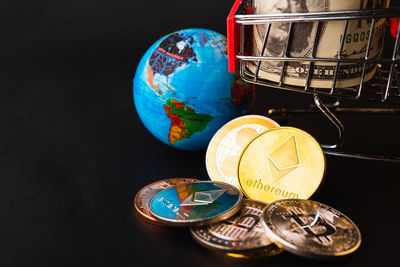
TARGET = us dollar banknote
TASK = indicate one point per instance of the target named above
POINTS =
(328, 46)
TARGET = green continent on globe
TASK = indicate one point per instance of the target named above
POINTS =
(184, 120)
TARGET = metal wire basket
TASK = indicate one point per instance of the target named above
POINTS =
(382, 87)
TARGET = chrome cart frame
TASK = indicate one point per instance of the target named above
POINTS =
(384, 87)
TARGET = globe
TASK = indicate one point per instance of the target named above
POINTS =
(183, 92)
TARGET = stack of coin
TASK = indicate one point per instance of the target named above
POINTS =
(282, 166)
(220, 220)
(218, 217)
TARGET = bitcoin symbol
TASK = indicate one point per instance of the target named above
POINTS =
(314, 225)
(249, 221)
(237, 228)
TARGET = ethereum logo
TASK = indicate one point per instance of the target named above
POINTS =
(284, 159)
(202, 197)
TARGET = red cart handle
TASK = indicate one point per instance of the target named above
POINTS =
(394, 26)
(233, 34)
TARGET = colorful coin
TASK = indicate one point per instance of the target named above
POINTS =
(281, 163)
(243, 232)
(196, 203)
(228, 143)
(311, 229)
(143, 197)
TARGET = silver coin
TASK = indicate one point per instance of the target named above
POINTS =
(311, 229)
(195, 203)
(241, 232)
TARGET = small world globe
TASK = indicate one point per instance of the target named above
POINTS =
(183, 92)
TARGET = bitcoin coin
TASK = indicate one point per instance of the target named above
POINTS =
(243, 232)
(195, 203)
(311, 229)
(280, 163)
(143, 197)
(225, 147)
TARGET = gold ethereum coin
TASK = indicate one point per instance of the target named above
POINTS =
(227, 144)
(281, 163)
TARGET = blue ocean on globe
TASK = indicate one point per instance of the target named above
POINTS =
(183, 92)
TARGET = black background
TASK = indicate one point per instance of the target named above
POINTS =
(73, 151)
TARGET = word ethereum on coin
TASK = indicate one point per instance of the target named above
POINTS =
(241, 233)
(196, 203)
(311, 229)
(280, 163)
(143, 197)
(227, 144)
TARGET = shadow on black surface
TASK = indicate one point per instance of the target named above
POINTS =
(172, 244)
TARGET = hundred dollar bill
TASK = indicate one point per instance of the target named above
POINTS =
(329, 39)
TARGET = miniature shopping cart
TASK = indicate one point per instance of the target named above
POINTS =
(383, 87)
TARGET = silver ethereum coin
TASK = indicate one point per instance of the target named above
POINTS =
(195, 203)
(311, 229)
